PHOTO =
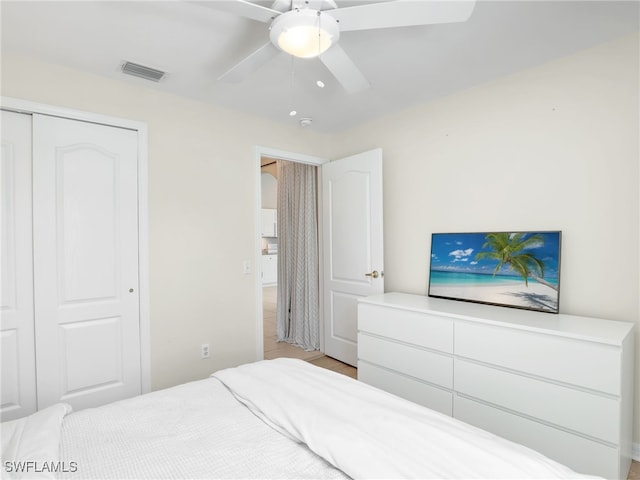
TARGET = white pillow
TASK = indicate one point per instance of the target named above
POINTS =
(31, 445)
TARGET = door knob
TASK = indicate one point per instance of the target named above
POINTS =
(373, 274)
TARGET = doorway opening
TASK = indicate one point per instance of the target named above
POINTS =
(273, 346)
(358, 179)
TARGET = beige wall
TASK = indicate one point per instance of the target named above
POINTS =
(202, 206)
(554, 147)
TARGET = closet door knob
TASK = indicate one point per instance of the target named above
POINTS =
(131, 290)
(373, 274)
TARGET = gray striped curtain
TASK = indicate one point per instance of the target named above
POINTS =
(297, 313)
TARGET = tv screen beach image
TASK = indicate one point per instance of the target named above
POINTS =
(515, 269)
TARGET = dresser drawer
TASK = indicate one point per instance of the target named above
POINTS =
(406, 359)
(425, 330)
(409, 388)
(588, 413)
(587, 364)
(580, 454)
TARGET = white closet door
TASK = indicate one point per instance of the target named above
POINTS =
(16, 319)
(85, 262)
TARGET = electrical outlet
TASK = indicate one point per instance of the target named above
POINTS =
(204, 350)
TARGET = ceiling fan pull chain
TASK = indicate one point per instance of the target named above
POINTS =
(293, 111)
(319, 34)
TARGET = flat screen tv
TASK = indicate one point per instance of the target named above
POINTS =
(511, 269)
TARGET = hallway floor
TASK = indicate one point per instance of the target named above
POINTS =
(274, 349)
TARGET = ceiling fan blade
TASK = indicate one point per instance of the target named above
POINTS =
(244, 9)
(402, 13)
(250, 64)
(343, 68)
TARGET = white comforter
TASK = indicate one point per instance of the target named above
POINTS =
(368, 433)
(195, 430)
(305, 421)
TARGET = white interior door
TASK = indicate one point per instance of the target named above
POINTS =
(85, 262)
(352, 246)
(16, 319)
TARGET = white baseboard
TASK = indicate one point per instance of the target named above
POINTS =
(635, 452)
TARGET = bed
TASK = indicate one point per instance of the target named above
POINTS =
(279, 418)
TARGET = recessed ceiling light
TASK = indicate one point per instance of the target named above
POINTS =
(320, 83)
(293, 113)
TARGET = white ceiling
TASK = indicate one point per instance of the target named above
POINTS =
(195, 44)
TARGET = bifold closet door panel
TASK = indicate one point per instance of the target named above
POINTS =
(85, 262)
(16, 319)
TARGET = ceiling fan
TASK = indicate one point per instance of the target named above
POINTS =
(311, 28)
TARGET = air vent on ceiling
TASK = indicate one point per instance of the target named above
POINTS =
(141, 71)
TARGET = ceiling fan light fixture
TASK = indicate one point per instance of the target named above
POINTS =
(304, 33)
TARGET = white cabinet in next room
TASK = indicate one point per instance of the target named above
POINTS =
(269, 222)
(269, 269)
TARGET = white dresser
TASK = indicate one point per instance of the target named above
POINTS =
(560, 384)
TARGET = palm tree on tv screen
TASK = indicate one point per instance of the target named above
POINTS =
(510, 249)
